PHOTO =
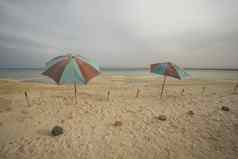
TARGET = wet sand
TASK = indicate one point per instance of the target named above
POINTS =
(123, 126)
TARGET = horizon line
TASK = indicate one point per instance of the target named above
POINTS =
(131, 68)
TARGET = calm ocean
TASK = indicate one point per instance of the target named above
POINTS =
(35, 74)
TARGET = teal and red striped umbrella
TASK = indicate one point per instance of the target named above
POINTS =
(69, 69)
(168, 69)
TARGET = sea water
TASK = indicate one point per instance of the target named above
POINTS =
(36, 76)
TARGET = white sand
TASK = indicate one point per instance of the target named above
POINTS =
(89, 131)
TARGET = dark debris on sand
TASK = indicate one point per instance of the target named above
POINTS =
(161, 117)
(57, 130)
(117, 123)
(190, 112)
(224, 108)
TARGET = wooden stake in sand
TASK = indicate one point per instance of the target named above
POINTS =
(203, 90)
(137, 93)
(182, 92)
(163, 86)
(235, 89)
(108, 94)
(27, 98)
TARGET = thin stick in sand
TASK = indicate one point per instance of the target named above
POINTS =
(182, 92)
(108, 94)
(137, 93)
(235, 89)
(163, 86)
(27, 98)
(203, 90)
(166, 91)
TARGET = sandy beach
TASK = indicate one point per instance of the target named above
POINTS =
(195, 128)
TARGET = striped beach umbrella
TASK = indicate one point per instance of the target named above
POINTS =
(168, 69)
(71, 69)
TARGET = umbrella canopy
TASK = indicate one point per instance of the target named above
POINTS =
(169, 69)
(69, 69)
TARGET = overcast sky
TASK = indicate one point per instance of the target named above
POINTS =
(120, 33)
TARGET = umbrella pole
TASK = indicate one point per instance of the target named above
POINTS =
(75, 92)
(165, 77)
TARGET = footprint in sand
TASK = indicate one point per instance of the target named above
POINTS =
(24, 112)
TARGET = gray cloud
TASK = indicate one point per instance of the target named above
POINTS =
(126, 33)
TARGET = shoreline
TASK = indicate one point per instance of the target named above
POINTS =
(117, 68)
(109, 76)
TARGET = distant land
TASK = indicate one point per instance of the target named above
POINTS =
(222, 69)
(186, 68)
(114, 68)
